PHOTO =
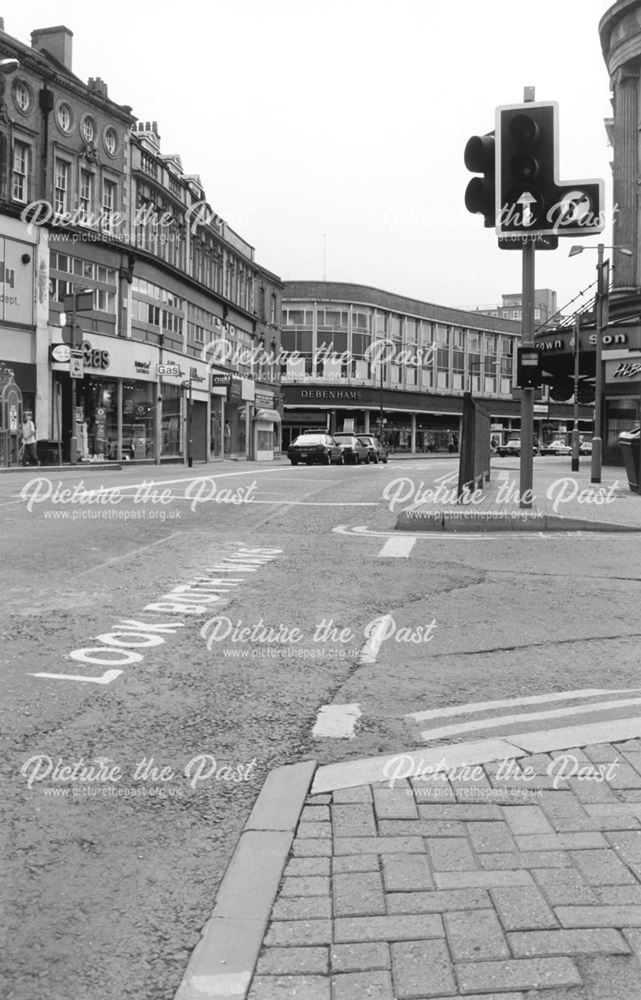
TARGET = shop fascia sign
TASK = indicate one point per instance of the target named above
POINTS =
(93, 358)
(330, 394)
(612, 338)
(628, 370)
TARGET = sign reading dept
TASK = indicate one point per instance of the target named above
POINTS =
(16, 282)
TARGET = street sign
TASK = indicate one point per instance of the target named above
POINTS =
(79, 301)
(220, 378)
(169, 370)
(76, 365)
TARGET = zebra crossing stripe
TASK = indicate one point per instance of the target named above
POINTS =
(536, 699)
(511, 720)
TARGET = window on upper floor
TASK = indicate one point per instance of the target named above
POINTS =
(21, 172)
(86, 193)
(62, 172)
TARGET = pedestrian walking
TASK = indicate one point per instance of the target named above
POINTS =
(29, 453)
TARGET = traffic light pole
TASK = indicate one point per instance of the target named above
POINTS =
(527, 395)
(597, 440)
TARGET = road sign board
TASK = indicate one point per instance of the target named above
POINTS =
(76, 365)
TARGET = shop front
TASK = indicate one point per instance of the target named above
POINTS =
(622, 403)
(237, 432)
(219, 386)
(110, 407)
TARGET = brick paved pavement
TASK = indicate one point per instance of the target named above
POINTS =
(483, 889)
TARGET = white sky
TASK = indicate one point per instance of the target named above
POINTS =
(343, 122)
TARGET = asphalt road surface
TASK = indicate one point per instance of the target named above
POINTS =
(170, 635)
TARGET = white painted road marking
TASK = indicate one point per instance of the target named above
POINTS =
(397, 548)
(536, 699)
(106, 678)
(511, 720)
(336, 722)
(350, 774)
(369, 651)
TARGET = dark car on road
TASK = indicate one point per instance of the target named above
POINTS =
(318, 447)
(377, 450)
(354, 451)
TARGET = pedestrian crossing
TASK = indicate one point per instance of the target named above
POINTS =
(511, 718)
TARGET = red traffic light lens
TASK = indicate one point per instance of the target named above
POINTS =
(524, 130)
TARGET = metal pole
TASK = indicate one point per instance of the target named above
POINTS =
(575, 430)
(73, 443)
(527, 395)
(597, 443)
(190, 460)
(380, 400)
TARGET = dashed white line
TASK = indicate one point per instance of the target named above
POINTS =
(369, 651)
(397, 548)
(336, 722)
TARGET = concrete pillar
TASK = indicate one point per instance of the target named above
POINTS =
(626, 145)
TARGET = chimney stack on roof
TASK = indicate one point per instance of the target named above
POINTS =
(56, 41)
(98, 86)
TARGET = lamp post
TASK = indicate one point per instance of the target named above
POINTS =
(601, 322)
(575, 408)
(78, 301)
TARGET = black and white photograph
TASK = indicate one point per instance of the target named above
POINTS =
(320, 500)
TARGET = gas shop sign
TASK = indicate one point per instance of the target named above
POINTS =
(93, 358)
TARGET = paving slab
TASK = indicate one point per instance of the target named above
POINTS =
(375, 894)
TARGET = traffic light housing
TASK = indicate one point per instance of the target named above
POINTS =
(480, 194)
(530, 198)
(585, 392)
(528, 368)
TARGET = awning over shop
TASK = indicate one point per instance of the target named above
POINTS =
(268, 416)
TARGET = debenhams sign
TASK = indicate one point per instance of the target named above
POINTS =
(321, 394)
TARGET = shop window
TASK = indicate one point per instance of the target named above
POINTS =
(264, 440)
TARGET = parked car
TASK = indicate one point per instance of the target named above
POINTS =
(585, 448)
(556, 447)
(377, 450)
(318, 447)
(354, 451)
(513, 447)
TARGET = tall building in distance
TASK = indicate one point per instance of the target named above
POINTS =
(545, 307)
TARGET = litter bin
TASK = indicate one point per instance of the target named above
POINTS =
(630, 442)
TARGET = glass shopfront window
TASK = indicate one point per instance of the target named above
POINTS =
(217, 427)
(171, 426)
(97, 420)
(138, 420)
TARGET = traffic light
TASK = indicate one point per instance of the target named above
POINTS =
(585, 392)
(530, 198)
(528, 368)
(480, 194)
(561, 387)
